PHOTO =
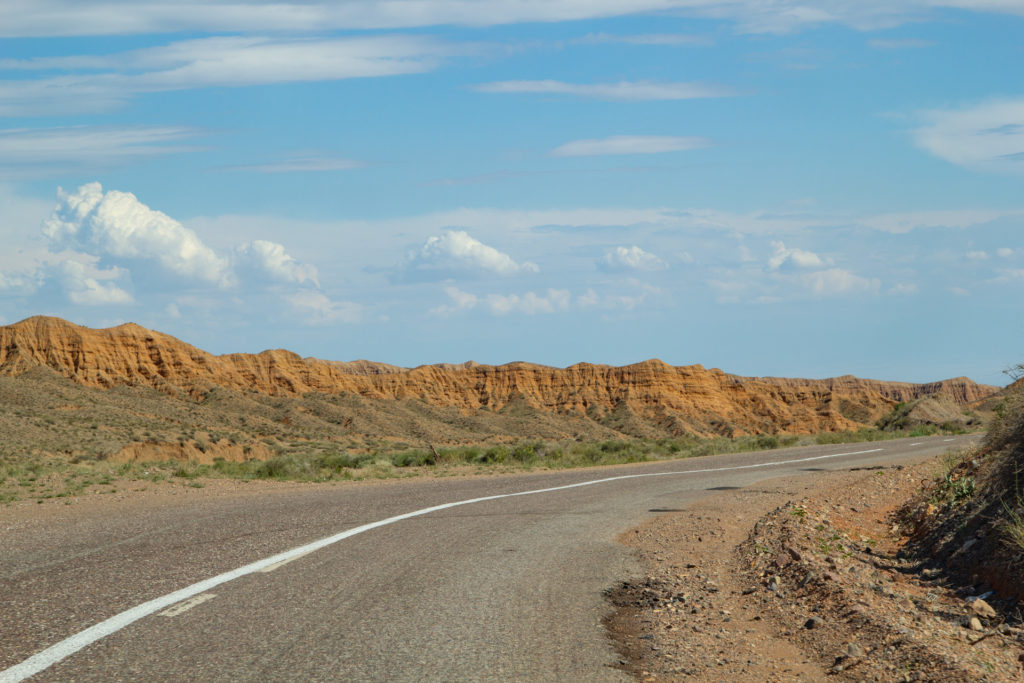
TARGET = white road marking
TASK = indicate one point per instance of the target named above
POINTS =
(919, 443)
(948, 440)
(71, 645)
(186, 605)
(276, 565)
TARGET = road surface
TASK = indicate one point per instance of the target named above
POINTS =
(509, 587)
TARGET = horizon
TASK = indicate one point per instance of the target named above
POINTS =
(802, 190)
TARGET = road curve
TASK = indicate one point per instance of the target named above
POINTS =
(503, 579)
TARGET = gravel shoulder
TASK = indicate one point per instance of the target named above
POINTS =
(792, 581)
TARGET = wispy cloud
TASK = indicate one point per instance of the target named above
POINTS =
(987, 136)
(98, 83)
(23, 18)
(899, 43)
(301, 164)
(645, 39)
(45, 151)
(316, 308)
(621, 91)
(630, 144)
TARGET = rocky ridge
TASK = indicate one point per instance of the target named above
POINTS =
(647, 398)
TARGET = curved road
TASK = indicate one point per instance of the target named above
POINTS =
(504, 588)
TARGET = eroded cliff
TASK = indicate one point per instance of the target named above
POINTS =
(647, 398)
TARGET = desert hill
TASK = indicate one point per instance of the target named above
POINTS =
(645, 399)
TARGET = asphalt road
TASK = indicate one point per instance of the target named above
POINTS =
(501, 589)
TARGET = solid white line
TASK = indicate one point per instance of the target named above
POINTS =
(186, 605)
(73, 644)
(919, 443)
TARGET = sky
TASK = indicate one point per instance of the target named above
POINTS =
(770, 187)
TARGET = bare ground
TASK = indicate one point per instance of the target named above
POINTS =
(790, 582)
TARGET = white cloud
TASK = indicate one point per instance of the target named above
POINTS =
(530, 303)
(118, 224)
(987, 136)
(461, 301)
(1004, 252)
(630, 144)
(85, 284)
(21, 18)
(645, 39)
(798, 258)
(630, 258)
(977, 256)
(273, 259)
(959, 291)
(836, 281)
(45, 151)
(93, 84)
(904, 222)
(317, 308)
(455, 252)
(623, 90)
(903, 288)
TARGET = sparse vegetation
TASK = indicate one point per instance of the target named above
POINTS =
(62, 439)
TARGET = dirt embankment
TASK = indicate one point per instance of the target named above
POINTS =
(783, 583)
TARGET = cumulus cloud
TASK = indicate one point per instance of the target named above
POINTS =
(317, 308)
(455, 252)
(87, 285)
(796, 258)
(272, 258)
(630, 258)
(1004, 252)
(531, 303)
(629, 144)
(623, 90)
(118, 224)
(987, 136)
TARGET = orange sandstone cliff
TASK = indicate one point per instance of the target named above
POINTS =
(669, 399)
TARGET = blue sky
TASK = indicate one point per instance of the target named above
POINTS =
(769, 187)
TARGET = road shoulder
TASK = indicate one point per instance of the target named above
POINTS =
(792, 581)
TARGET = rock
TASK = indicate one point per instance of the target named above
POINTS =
(814, 622)
(794, 553)
(975, 624)
(983, 609)
(855, 651)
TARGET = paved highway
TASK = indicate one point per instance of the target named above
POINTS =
(406, 580)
